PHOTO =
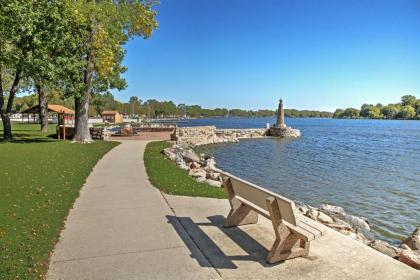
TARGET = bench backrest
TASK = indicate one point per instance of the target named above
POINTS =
(257, 197)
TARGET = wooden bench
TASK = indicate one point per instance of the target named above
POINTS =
(293, 233)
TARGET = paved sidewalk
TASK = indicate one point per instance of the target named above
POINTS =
(119, 228)
(240, 252)
(122, 228)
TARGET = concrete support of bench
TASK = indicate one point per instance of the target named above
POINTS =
(240, 214)
(288, 244)
(247, 201)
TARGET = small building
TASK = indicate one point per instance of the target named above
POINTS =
(112, 117)
(63, 114)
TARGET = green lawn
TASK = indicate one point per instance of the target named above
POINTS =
(23, 132)
(166, 176)
(40, 178)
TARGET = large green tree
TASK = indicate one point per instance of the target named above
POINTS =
(108, 25)
(408, 100)
(390, 111)
(417, 108)
(350, 113)
(16, 36)
(406, 112)
(51, 55)
(37, 42)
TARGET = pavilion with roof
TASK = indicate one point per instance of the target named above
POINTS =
(64, 114)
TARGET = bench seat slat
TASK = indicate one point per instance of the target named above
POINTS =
(316, 233)
(301, 231)
(312, 225)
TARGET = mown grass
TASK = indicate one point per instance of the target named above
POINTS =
(40, 178)
(167, 177)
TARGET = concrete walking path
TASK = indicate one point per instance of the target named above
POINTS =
(119, 229)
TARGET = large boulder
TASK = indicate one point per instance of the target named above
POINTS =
(413, 241)
(179, 159)
(385, 248)
(190, 156)
(324, 218)
(215, 176)
(170, 154)
(196, 173)
(194, 165)
(183, 166)
(410, 258)
(312, 213)
(201, 179)
(319, 216)
(359, 224)
(213, 183)
(332, 210)
(210, 164)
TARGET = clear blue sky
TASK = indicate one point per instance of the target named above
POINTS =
(247, 54)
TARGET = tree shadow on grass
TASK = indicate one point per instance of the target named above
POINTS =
(22, 138)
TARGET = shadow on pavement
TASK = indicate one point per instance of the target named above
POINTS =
(212, 251)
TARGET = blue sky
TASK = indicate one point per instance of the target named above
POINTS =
(247, 54)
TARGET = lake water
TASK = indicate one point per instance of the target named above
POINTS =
(369, 167)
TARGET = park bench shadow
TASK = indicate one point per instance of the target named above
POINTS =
(213, 253)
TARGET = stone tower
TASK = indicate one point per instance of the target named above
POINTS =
(280, 129)
(280, 115)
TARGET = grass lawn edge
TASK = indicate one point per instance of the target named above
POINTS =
(39, 186)
(166, 176)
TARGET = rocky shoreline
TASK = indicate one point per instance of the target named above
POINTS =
(203, 168)
(204, 135)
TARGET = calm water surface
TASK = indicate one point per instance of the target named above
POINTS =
(369, 167)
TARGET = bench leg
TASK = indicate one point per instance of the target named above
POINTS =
(240, 214)
(288, 245)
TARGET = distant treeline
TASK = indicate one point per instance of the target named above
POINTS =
(408, 108)
(154, 108)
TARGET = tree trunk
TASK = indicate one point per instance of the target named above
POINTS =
(82, 134)
(43, 108)
(7, 128)
(5, 114)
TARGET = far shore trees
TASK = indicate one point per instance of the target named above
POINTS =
(390, 111)
(152, 108)
(409, 108)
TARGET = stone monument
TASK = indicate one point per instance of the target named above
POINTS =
(280, 115)
(280, 129)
